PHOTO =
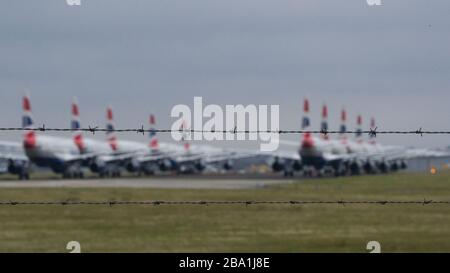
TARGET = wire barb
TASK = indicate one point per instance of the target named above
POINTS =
(373, 132)
(419, 132)
(92, 130)
(141, 130)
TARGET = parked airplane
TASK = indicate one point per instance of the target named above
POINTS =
(102, 158)
(309, 154)
(184, 159)
(191, 159)
(109, 158)
(59, 154)
(323, 155)
(13, 160)
(146, 159)
(156, 157)
(198, 158)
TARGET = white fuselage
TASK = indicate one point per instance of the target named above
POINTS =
(52, 147)
(321, 150)
(93, 146)
(12, 150)
(52, 152)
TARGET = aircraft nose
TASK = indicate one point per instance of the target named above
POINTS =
(308, 142)
(30, 140)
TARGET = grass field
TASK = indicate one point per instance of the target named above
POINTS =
(254, 228)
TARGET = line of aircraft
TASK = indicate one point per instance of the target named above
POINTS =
(70, 156)
(316, 155)
(323, 156)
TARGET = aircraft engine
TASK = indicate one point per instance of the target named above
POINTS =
(403, 165)
(297, 166)
(228, 165)
(200, 166)
(383, 166)
(166, 165)
(277, 165)
(355, 168)
(133, 166)
(369, 167)
(20, 168)
(394, 166)
(97, 165)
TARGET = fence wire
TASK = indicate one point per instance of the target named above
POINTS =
(424, 202)
(371, 132)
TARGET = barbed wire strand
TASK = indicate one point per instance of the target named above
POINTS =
(216, 203)
(141, 130)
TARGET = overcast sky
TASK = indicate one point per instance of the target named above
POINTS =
(145, 56)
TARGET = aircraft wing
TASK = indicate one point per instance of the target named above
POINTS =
(13, 157)
(333, 157)
(228, 156)
(153, 158)
(71, 159)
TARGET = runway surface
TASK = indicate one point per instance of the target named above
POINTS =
(166, 183)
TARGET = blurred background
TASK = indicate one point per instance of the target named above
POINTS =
(391, 61)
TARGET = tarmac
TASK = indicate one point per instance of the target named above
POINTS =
(154, 182)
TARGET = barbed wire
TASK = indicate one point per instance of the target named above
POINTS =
(141, 130)
(218, 203)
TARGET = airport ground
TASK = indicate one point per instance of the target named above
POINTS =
(231, 228)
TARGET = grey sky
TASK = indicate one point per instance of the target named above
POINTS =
(142, 56)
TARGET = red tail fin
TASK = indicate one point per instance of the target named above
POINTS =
(110, 134)
(343, 116)
(343, 126)
(306, 106)
(27, 122)
(153, 139)
(307, 138)
(76, 126)
(359, 128)
(324, 126)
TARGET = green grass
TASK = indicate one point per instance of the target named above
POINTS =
(254, 228)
